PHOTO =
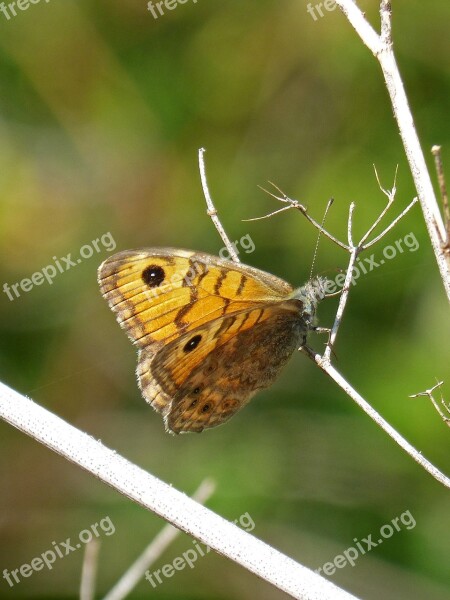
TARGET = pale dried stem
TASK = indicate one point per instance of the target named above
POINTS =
(159, 544)
(351, 210)
(390, 196)
(436, 150)
(291, 203)
(175, 507)
(341, 306)
(446, 406)
(89, 570)
(211, 209)
(381, 47)
(390, 226)
(375, 416)
(324, 361)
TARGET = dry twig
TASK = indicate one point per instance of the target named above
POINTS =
(89, 570)
(211, 209)
(382, 48)
(161, 542)
(175, 507)
(324, 362)
(436, 151)
(446, 406)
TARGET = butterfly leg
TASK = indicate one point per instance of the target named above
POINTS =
(322, 330)
(326, 330)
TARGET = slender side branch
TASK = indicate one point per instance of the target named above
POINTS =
(161, 542)
(375, 416)
(291, 203)
(170, 504)
(324, 362)
(351, 210)
(381, 47)
(436, 151)
(89, 570)
(429, 393)
(341, 307)
(386, 23)
(390, 196)
(211, 209)
(361, 25)
(390, 226)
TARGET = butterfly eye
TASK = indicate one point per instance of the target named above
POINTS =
(192, 343)
(153, 276)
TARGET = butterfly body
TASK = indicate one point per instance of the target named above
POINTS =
(210, 332)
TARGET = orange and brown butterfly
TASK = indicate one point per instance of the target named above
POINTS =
(210, 332)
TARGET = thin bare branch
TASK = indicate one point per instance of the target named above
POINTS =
(161, 542)
(269, 215)
(220, 535)
(211, 209)
(357, 19)
(381, 47)
(392, 225)
(89, 570)
(351, 210)
(436, 150)
(324, 361)
(390, 196)
(388, 193)
(386, 23)
(313, 262)
(298, 206)
(375, 416)
(429, 393)
(341, 306)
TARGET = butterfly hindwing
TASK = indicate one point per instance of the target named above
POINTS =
(227, 365)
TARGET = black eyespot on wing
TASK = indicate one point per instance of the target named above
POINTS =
(195, 392)
(192, 343)
(205, 408)
(230, 404)
(153, 276)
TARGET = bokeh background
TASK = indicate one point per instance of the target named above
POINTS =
(102, 111)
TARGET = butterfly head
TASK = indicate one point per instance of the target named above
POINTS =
(311, 294)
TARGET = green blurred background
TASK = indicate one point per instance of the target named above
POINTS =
(102, 111)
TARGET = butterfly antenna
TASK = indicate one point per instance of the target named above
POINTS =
(330, 202)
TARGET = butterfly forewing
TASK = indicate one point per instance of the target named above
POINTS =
(187, 290)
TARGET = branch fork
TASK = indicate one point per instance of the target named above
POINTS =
(324, 362)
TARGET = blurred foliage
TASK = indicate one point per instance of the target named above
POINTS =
(102, 111)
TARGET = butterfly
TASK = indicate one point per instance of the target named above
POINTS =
(210, 332)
